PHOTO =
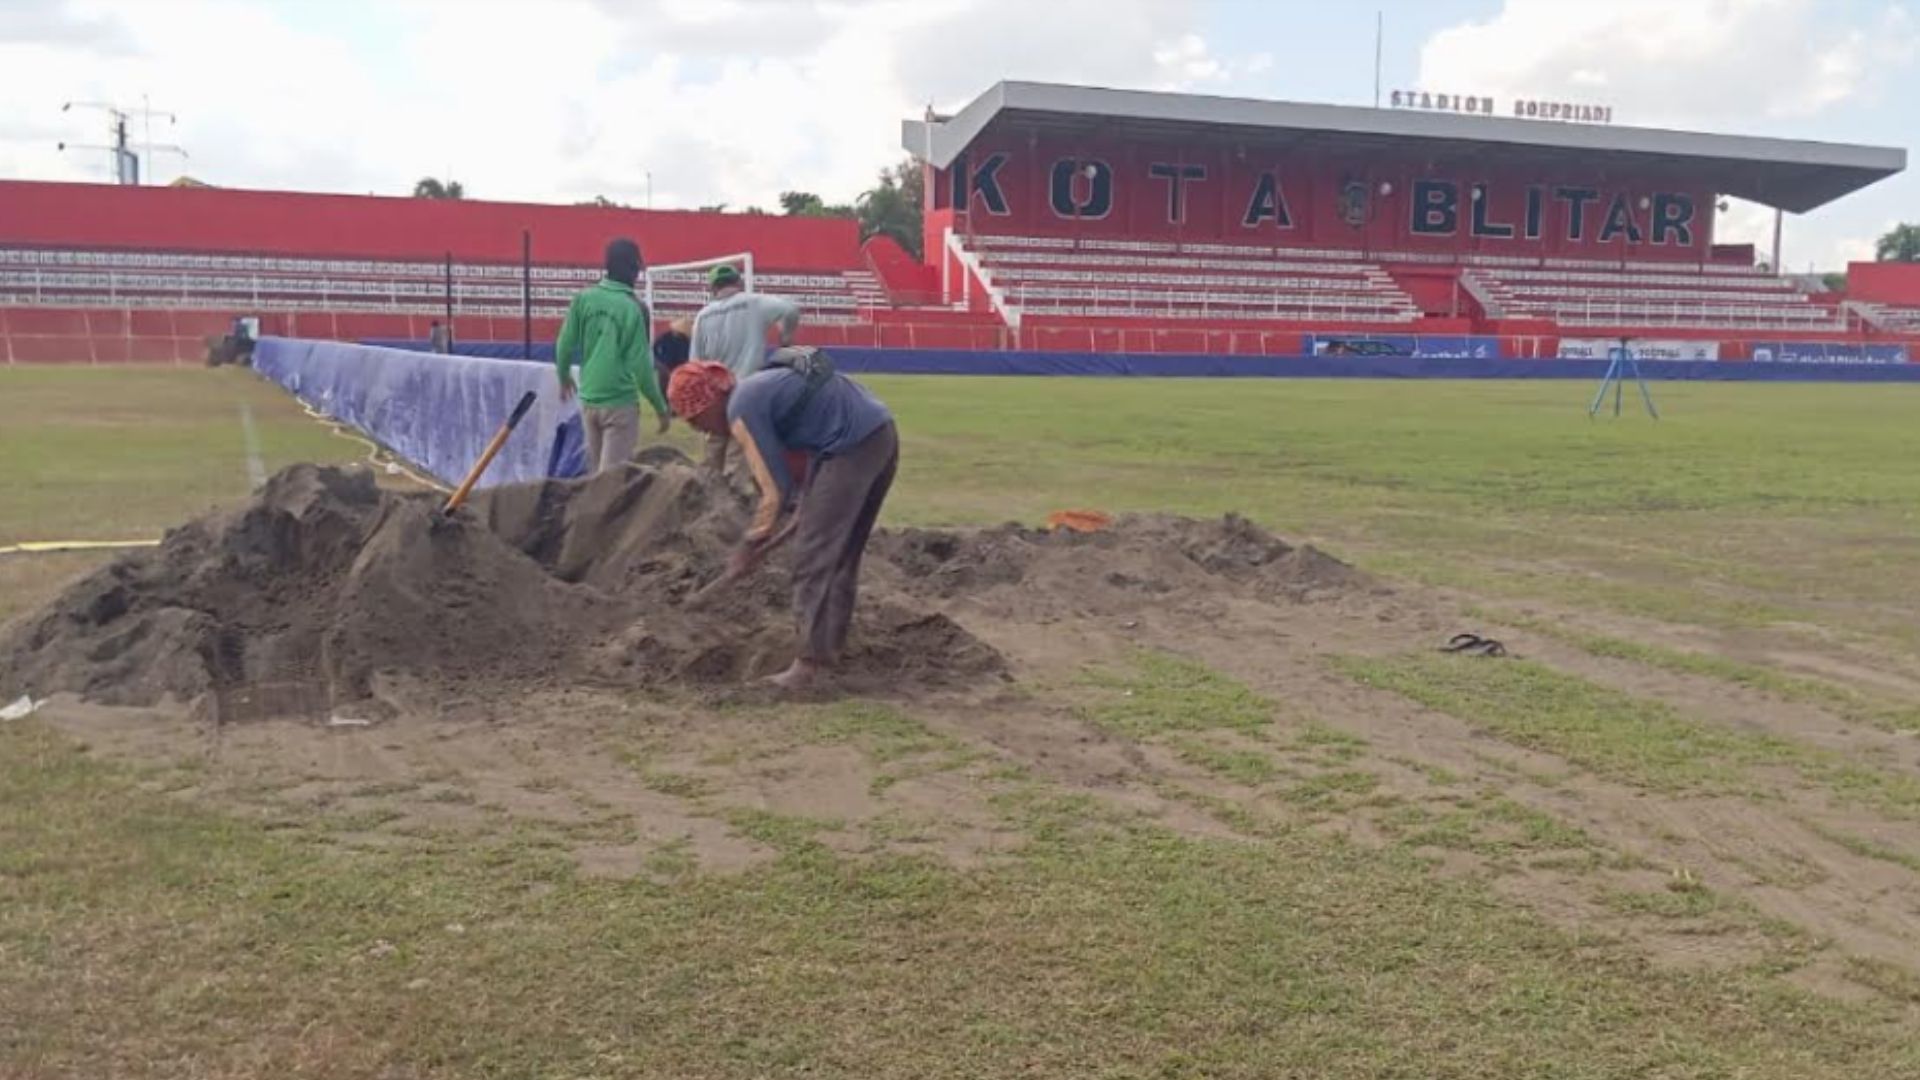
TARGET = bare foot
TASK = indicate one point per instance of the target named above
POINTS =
(798, 676)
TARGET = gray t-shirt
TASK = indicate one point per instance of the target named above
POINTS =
(733, 331)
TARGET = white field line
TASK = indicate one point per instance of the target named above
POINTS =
(256, 469)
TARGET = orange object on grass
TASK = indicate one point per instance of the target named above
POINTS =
(1082, 521)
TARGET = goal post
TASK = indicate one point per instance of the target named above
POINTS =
(698, 268)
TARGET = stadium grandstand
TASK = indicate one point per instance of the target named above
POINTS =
(1056, 218)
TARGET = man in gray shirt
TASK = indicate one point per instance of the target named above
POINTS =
(732, 330)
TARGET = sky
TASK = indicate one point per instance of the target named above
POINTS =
(697, 102)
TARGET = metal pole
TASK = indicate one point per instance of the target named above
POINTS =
(449, 301)
(1379, 37)
(128, 174)
(526, 294)
(1779, 216)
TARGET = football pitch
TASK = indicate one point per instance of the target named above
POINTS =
(1675, 834)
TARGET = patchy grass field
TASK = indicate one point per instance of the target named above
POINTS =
(1746, 507)
(125, 453)
(1679, 836)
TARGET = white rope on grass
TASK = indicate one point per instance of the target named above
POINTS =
(49, 547)
(378, 457)
(250, 436)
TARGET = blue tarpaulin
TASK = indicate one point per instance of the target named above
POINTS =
(437, 412)
(1183, 365)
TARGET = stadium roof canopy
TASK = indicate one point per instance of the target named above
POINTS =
(1790, 174)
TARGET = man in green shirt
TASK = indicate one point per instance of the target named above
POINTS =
(607, 334)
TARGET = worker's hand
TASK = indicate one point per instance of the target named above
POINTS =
(566, 390)
(666, 421)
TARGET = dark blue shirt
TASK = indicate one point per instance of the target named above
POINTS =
(840, 415)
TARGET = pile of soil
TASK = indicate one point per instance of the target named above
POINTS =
(1021, 570)
(326, 594)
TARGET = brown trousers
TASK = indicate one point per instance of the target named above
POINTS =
(842, 501)
(613, 434)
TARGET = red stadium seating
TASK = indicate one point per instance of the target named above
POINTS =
(1649, 296)
(1090, 277)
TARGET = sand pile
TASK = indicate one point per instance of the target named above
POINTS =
(325, 595)
(1022, 571)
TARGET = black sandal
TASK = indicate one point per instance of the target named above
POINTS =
(1474, 644)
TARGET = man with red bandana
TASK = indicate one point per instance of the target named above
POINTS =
(798, 404)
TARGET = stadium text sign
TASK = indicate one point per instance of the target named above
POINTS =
(1524, 108)
(1046, 186)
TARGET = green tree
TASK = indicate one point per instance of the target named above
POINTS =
(801, 204)
(604, 203)
(431, 188)
(807, 204)
(892, 207)
(1901, 244)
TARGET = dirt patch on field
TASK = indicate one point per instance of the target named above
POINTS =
(1037, 572)
(333, 648)
(327, 595)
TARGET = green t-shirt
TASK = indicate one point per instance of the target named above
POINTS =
(608, 335)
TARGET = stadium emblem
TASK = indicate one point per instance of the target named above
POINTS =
(1353, 202)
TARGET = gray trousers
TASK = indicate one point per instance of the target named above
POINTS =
(842, 501)
(613, 434)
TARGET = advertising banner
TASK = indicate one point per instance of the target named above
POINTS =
(1451, 347)
(1800, 352)
(1643, 349)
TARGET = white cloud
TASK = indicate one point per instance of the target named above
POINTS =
(1674, 62)
(53, 22)
(1764, 66)
(719, 100)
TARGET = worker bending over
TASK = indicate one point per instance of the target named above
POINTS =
(798, 403)
(732, 330)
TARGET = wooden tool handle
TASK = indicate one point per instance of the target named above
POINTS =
(499, 440)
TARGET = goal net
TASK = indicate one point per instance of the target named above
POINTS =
(677, 288)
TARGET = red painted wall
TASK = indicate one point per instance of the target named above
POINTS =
(286, 223)
(1314, 187)
(1884, 282)
(907, 281)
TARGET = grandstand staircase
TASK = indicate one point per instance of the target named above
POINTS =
(1489, 304)
(1885, 318)
(866, 288)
